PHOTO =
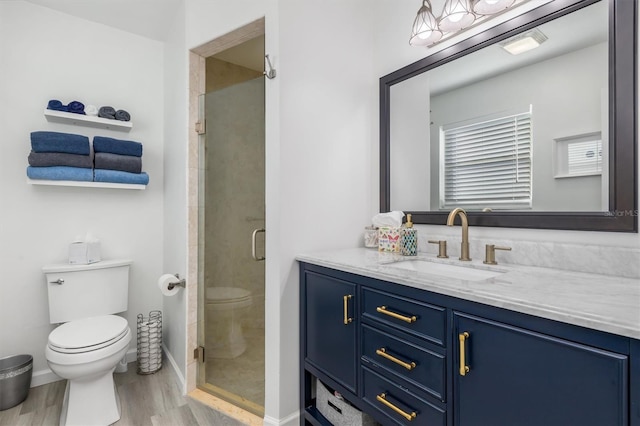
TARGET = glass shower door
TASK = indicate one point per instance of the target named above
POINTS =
(231, 293)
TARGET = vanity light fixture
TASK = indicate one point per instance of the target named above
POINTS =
(456, 15)
(524, 42)
(425, 29)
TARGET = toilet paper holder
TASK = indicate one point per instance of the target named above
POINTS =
(182, 283)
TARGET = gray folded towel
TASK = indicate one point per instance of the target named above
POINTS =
(50, 159)
(122, 115)
(124, 163)
(107, 112)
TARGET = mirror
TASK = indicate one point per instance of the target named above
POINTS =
(542, 139)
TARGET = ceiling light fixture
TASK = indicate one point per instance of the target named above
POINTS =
(425, 29)
(524, 42)
(456, 15)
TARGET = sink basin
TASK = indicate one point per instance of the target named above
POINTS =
(445, 270)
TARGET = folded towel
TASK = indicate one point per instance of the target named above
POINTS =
(124, 163)
(122, 115)
(60, 142)
(107, 112)
(56, 105)
(117, 146)
(76, 107)
(91, 110)
(50, 159)
(116, 176)
(60, 173)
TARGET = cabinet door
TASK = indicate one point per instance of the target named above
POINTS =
(330, 327)
(518, 377)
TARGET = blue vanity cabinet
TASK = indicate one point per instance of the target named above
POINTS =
(506, 375)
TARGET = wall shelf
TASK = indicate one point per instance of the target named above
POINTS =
(87, 120)
(85, 184)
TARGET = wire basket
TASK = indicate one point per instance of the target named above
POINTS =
(149, 343)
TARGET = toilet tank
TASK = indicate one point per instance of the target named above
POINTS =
(83, 291)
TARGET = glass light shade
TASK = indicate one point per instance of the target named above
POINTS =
(456, 15)
(425, 29)
(489, 7)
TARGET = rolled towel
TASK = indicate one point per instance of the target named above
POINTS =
(76, 107)
(50, 159)
(56, 105)
(122, 115)
(60, 173)
(107, 112)
(91, 110)
(117, 146)
(124, 163)
(60, 142)
(116, 176)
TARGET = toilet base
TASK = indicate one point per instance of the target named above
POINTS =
(225, 339)
(91, 402)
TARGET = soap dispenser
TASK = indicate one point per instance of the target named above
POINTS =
(409, 239)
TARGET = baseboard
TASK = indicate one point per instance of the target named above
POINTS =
(292, 419)
(45, 376)
(174, 366)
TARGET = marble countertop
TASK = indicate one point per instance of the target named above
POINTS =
(600, 302)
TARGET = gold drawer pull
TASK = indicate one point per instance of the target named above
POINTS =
(409, 416)
(383, 353)
(464, 368)
(346, 298)
(383, 310)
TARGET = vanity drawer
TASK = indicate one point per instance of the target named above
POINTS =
(399, 404)
(419, 319)
(420, 367)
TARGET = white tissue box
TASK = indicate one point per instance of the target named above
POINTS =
(82, 253)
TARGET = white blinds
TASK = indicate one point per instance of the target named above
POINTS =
(488, 164)
(584, 157)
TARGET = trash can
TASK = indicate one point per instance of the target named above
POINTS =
(15, 380)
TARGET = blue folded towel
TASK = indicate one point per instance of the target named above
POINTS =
(76, 107)
(124, 163)
(116, 176)
(50, 159)
(60, 173)
(60, 142)
(56, 105)
(117, 146)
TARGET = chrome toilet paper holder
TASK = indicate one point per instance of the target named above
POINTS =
(182, 283)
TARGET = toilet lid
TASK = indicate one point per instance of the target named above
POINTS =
(227, 294)
(88, 334)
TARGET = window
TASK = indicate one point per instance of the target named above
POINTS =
(487, 162)
(579, 155)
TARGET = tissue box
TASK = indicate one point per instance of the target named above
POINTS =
(82, 253)
(389, 239)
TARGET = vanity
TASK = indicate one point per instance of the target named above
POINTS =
(429, 341)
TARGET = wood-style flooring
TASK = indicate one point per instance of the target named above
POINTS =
(153, 399)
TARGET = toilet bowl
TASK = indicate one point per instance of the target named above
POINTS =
(225, 308)
(86, 352)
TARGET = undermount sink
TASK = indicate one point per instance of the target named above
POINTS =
(445, 270)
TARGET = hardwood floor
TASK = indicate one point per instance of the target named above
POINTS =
(153, 399)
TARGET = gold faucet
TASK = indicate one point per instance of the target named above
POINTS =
(464, 246)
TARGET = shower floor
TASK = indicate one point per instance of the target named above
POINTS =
(243, 375)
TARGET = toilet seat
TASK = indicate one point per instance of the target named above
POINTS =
(89, 334)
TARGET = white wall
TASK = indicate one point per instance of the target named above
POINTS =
(50, 55)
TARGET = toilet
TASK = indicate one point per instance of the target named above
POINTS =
(90, 341)
(225, 309)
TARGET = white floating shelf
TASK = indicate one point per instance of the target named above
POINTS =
(85, 184)
(87, 120)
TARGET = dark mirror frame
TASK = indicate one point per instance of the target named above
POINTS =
(623, 191)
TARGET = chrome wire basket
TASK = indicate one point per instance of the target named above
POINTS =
(149, 359)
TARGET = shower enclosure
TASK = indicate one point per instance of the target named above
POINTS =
(231, 238)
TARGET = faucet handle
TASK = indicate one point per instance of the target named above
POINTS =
(442, 248)
(490, 253)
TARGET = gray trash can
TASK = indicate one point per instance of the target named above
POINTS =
(15, 380)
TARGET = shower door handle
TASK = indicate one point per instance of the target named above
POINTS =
(253, 245)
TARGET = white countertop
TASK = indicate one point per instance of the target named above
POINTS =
(601, 302)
